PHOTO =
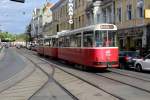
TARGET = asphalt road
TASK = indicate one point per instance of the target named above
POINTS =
(10, 64)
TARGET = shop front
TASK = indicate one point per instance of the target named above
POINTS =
(130, 39)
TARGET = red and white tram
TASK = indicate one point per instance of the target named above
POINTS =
(94, 46)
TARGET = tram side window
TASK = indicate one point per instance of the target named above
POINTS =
(47, 42)
(67, 41)
(73, 41)
(54, 42)
(60, 41)
(78, 39)
(40, 43)
(88, 39)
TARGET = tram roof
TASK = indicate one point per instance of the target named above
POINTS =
(102, 27)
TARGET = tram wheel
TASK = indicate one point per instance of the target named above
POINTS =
(84, 68)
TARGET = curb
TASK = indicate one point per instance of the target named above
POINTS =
(1, 52)
(1, 49)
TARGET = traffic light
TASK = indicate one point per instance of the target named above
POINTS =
(22, 1)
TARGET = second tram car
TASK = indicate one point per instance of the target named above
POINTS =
(40, 47)
(50, 46)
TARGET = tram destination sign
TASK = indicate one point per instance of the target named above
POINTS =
(106, 26)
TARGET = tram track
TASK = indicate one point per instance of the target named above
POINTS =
(120, 98)
(57, 64)
(136, 75)
(146, 90)
(127, 78)
(36, 65)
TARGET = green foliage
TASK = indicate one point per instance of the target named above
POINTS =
(22, 37)
(5, 36)
(8, 37)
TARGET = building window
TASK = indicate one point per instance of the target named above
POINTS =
(109, 13)
(119, 11)
(83, 2)
(79, 3)
(104, 15)
(98, 18)
(140, 7)
(79, 21)
(119, 14)
(129, 12)
(76, 4)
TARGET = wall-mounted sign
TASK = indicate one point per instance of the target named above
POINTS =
(147, 13)
(70, 11)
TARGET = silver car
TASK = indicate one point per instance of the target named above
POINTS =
(142, 64)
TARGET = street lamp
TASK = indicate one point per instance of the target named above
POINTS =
(22, 1)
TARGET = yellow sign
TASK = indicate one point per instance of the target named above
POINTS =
(147, 13)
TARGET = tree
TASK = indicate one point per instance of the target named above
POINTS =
(7, 37)
(22, 37)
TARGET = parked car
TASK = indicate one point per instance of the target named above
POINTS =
(128, 58)
(33, 47)
(18, 46)
(6, 46)
(28, 46)
(142, 64)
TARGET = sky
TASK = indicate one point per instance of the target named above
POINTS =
(14, 16)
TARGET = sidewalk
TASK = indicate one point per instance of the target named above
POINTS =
(26, 88)
(24, 84)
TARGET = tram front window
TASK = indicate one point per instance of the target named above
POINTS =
(104, 39)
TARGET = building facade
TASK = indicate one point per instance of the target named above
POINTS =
(128, 15)
(47, 20)
(40, 18)
(133, 28)
(85, 13)
(35, 23)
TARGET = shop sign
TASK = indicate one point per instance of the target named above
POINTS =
(70, 11)
(147, 13)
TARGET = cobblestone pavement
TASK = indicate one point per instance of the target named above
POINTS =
(23, 84)
(26, 88)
